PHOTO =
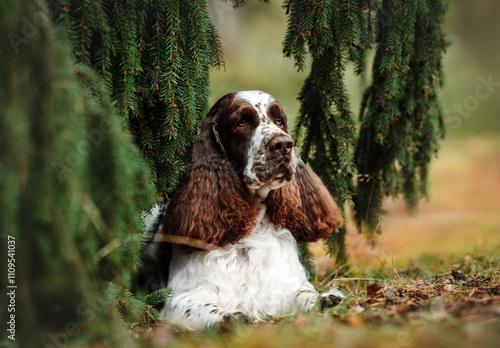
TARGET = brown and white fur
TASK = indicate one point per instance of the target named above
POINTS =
(248, 193)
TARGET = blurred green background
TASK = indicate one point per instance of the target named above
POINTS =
(252, 35)
(462, 212)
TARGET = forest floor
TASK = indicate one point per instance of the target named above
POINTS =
(432, 279)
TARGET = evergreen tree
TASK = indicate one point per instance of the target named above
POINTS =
(401, 119)
(72, 185)
(401, 116)
(154, 58)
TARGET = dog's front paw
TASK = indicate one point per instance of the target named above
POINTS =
(331, 298)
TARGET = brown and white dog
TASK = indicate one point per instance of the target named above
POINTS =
(248, 193)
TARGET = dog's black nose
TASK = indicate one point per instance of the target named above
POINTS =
(281, 145)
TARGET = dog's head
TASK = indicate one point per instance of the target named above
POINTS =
(253, 132)
(242, 160)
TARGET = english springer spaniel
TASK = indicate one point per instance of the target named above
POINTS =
(247, 194)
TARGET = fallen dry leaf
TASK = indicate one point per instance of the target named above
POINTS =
(358, 308)
(373, 290)
(393, 296)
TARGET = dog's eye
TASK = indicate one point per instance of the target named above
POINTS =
(242, 123)
(280, 121)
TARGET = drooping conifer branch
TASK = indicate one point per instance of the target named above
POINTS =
(72, 182)
(154, 58)
(401, 115)
(400, 119)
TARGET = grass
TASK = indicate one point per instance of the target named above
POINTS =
(432, 279)
(386, 306)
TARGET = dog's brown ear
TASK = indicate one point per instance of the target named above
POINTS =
(304, 206)
(211, 204)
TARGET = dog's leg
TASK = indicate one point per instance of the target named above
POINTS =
(331, 298)
(306, 300)
(196, 313)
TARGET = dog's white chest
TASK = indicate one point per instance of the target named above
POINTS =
(259, 276)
